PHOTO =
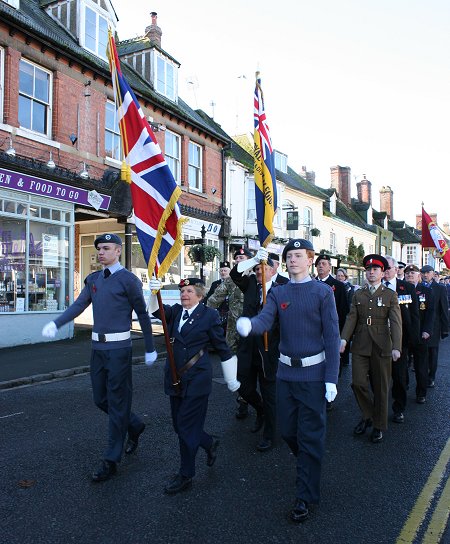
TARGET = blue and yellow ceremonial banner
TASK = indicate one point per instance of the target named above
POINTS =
(265, 180)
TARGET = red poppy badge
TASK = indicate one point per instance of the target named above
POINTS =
(284, 305)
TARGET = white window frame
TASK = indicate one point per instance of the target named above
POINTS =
(115, 134)
(333, 247)
(195, 175)
(307, 222)
(411, 254)
(48, 105)
(250, 201)
(174, 159)
(98, 14)
(161, 84)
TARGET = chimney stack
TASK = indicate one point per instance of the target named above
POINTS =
(387, 201)
(364, 189)
(153, 32)
(340, 180)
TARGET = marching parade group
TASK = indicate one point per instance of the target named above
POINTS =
(282, 339)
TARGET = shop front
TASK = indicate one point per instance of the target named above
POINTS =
(37, 218)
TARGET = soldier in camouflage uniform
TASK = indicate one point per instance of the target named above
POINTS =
(235, 304)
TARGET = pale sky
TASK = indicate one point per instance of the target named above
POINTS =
(359, 83)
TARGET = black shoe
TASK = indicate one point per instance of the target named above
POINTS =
(104, 471)
(259, 422)
(430, 383)
(376, 436)
(329, 406)
(398, 417)
(265, 445)
(362, 426)
(177, 484)
(133, 440)
(211, 454)
(242, 411)
(420, 400)
(300, 511)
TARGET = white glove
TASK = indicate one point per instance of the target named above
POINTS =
(50, 330)
(262, 254)
(244, 326)
(150, 358)
(342, 347)
(155, 285)
(229, 369)
(330, 391)
(395, 355)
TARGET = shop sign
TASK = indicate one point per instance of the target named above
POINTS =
(51, 189)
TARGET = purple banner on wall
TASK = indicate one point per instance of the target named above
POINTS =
(51, 189)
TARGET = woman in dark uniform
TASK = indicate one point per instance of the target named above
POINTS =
(192, 328)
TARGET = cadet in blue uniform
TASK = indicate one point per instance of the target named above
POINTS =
(114, 293)
(308, 365)
(192, 328)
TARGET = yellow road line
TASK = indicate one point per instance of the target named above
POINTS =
(418, 513)
(440, 517)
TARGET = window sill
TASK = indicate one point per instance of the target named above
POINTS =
(35, 137)
(193, 191)
(113, 162)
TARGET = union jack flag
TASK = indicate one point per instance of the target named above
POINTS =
(154, 191)
(265, 180)
(432, 238)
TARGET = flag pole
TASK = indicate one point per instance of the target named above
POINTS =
(170, 356)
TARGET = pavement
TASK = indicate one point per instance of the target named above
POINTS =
(27, 364)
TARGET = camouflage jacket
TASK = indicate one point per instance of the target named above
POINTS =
(235, 303)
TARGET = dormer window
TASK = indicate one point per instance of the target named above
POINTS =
(333, 204)
(281, 161)
(94, 36)
(165, 76)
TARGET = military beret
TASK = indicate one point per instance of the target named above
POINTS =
(322, 257)
(427, 268)
(108, 239)
(401, 264)
(274, 257)
(243, 251)
(224, 264)
(411, 268)
(374, 259)
(299, 243)
(190, 281)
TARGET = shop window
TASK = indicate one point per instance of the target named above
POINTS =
(34, 98)
(34, 260)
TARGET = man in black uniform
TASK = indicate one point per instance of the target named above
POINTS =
(426, 315)
(254, 363)
(323, 267)
(409, 308)
(440, 329)
(277, 276)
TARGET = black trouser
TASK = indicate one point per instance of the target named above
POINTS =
(433, 354)
(400, 381)
(420, 354)
(264, 403)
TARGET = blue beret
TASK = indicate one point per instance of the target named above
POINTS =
(427, 268)
(108, 239)
(299, 243)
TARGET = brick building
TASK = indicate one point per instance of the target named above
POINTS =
(60, 155)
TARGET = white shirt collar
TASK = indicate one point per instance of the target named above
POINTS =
(189, 311)
(392, 284)
(114, 267)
